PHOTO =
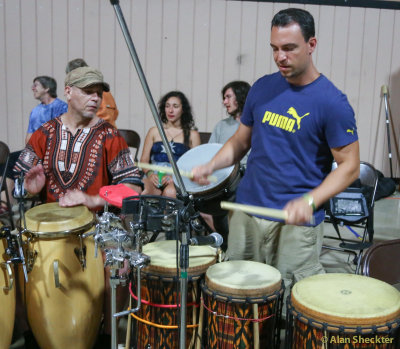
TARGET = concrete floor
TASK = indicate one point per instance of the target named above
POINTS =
(387, 227)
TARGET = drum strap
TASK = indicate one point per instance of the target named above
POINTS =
(233, 317)
(168, 327)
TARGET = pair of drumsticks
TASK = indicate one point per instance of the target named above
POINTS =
(256, 210)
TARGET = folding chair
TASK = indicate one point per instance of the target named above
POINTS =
(4, 156)
(382, 262)
(132, 138)
(204, 137)
(354, 207)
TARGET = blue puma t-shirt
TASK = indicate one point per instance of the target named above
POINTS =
(293, 130)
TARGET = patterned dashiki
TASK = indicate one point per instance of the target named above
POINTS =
(93, 157)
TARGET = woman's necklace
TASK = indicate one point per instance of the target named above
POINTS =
(172, 138)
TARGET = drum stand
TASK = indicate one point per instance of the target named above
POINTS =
(115, 257)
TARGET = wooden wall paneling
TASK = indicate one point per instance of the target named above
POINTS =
(216, 64)
(200, 62)
(138, 103)
(4, 122)
(59, 44)
(153, 54)
(323, 53)
(13, 74)
(394, 93)
(122, 60)
(44, 19)
(75, 28)
(233, 47)
(367, 80)
(264, 63)
(169, 46)
(353, 58)
(107, 47)
(385, 35)
(29, 65)
(185, 47)
(91, 32)
(248, 41)
(339, 44)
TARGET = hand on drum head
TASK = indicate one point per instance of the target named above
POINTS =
(77, 197)
(298, 212)
(201, 173)
(35, 179)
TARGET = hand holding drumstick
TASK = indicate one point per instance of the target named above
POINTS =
(167, 169)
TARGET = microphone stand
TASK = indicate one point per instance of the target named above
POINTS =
(189, 210)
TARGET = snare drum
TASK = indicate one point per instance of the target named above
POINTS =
(157, 320)
(7, 298)
(64, 294)
(207, 198)
(243, 303)
(343, 311)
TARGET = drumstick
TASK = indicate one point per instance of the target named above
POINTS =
(262, 211)
(167, 169)
(257, 210)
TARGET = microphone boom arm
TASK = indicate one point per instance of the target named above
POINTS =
(147, 93)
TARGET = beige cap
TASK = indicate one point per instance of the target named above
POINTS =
(86, 76)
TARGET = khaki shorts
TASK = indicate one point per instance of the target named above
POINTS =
(293, 250)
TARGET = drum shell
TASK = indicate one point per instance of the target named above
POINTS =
(309, 328)
(226, 313)
(160, 287)
(68, 316)
(7, 300)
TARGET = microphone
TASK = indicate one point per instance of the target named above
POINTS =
(214, 240)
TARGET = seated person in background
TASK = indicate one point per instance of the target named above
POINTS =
(233, 97)
(45, 90)
(176, 116)
(108, 109)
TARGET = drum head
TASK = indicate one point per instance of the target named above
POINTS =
(243, 278)
(199, 156)
(51, 218)
(346, 299)
(163, 258)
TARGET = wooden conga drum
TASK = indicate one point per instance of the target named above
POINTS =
(7, 298)
(343, 311)
(243, 302)
(65, 289)
(157, 321)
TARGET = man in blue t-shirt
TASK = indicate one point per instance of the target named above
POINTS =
(295, 122)
(44, 89)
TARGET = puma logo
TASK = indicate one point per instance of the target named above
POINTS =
(298, 118)
(350, 131)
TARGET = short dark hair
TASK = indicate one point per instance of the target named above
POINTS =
(240, 89)
(302, 17)
(48, 82)
(75, 63)
(187, 121)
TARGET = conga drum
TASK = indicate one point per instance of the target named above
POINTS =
(207, 198)
(65, 288)
(343, 311)
(243, 303)
(7, 298)
(157, 321)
